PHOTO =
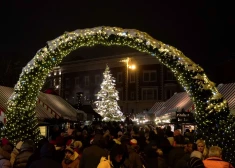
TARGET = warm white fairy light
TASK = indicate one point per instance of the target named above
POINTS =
(107, 99)
(212, 111)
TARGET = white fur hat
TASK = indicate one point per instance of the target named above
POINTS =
(196, 154)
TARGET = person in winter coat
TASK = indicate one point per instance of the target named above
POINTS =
(71, 159)
(162, 142)
(201, 147)
(37, 154)
(134, 157)
(195, 160)
(76, 145)
(160, 160)
(177, 152)
(26, 151)
(114, 158)
(188, 149)
(47, 158)
(15, 152)
(91, 156)
(118, 139)
(215, 159)
(5, 155)
(59, 150)
(149, 156)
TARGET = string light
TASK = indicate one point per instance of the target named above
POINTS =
(214, 122)
(107, 103)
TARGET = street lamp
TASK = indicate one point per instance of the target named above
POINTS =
(128, 66)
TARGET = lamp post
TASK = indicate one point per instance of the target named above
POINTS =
(128, 66)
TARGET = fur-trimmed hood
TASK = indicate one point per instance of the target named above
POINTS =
(74, 156)
(72, 160)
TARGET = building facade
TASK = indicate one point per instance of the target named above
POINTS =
(138, 89)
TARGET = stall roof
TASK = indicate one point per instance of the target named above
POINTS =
(157, 106)
(59, 106)
(89, 110)
(6, 92)
(182, 100)
(228, 91)
(48, 106)
(177, 102)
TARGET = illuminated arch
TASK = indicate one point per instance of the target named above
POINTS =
(208, 101)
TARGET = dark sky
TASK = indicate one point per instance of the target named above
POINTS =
(203, 30)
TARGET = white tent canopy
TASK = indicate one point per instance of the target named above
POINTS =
(48, 106)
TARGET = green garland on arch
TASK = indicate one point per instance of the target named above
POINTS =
(214, 122)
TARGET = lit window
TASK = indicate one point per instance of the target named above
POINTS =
(56, 81)
(43, 130)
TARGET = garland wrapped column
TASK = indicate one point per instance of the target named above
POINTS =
(215, 124)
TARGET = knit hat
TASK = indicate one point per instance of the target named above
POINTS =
(195, 162)
(4, 141)
(133, 142)
(196, 154)
(18, 145)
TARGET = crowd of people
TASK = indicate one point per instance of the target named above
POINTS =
(112, 145)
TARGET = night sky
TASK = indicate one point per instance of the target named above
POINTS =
(204, 31)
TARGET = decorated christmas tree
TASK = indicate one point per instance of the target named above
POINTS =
(107, 99)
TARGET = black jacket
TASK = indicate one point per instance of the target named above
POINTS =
(174, 156)
(91, 156)
(45, 162)
(47, 158)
